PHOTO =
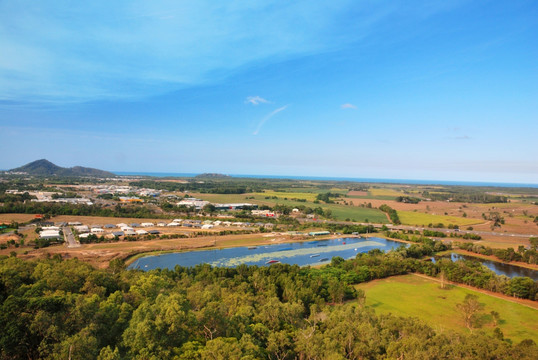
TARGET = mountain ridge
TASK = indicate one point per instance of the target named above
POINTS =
(43, 167)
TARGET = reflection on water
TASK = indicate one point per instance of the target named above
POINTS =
(304, 253)
(498, 267)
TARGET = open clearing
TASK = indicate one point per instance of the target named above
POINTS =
(411, 295)
(21, 218)
(417, 218)
(289, 195)
(385, 192)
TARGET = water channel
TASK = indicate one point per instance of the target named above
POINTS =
(498, 268)
(300, 253)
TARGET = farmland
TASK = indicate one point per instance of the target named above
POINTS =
(418, 218)
(424, 299)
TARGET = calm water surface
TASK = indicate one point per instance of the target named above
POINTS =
(302, 254)
(499, 268)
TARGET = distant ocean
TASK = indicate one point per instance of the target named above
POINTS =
(359, 180)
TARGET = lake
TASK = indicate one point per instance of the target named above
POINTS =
(315, 252)
(499, 268)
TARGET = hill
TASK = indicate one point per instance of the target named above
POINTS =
(44, 167)
(212, 176)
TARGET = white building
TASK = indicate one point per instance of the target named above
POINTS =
(49, 234)
(82, 228)
(193, 202)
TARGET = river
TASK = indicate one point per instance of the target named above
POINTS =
(499, 268)
(316, 252)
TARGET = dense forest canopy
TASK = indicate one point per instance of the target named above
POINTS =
(61, 309)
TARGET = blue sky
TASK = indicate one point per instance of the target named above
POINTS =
(442, 90)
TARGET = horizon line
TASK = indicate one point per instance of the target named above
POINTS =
(336, 178)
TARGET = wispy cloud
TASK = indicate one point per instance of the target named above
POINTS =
(105, 50)
(348, 106)
(256, 100)
(264, 120)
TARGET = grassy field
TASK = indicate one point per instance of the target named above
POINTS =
(414, 296)
(418, 218)
(289, 195)
(385, 192)
(340, 212)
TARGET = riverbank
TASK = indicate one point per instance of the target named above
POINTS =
(495, 259)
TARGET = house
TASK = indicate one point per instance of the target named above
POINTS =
(141, 232)
(109, 226)
(154, 232)
(162, 224)
(82, 229)
(120, 225)
(134, 225)
(118, 233)
(263, 213)
(129, 233)
(207, 226)
(147, 224)
(127, 228)
(174, 224)
(74, 223)
(97, 231)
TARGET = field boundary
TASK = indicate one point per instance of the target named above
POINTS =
(528, 303)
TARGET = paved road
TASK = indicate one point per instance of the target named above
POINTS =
(70, 238)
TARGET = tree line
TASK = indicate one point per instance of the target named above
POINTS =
(61, 309)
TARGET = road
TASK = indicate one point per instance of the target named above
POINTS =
(70, 238)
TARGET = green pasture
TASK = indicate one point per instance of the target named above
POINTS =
(288, 195)
(419, 219)
(340, 212)
(413, 296)
(385, 192)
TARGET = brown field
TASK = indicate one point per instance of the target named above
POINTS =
(357, 193)
(8, 218)
(513, 213)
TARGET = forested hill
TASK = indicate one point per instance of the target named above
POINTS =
(60, 309)
(212, 176)
(44, 167)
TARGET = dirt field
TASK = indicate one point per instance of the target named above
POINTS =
(8, 218)
(513, 213)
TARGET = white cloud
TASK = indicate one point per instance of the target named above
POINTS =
(256, 100)
(348, 106)
(273, 113)
(96, 50)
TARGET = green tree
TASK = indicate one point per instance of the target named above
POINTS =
(469, 310)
